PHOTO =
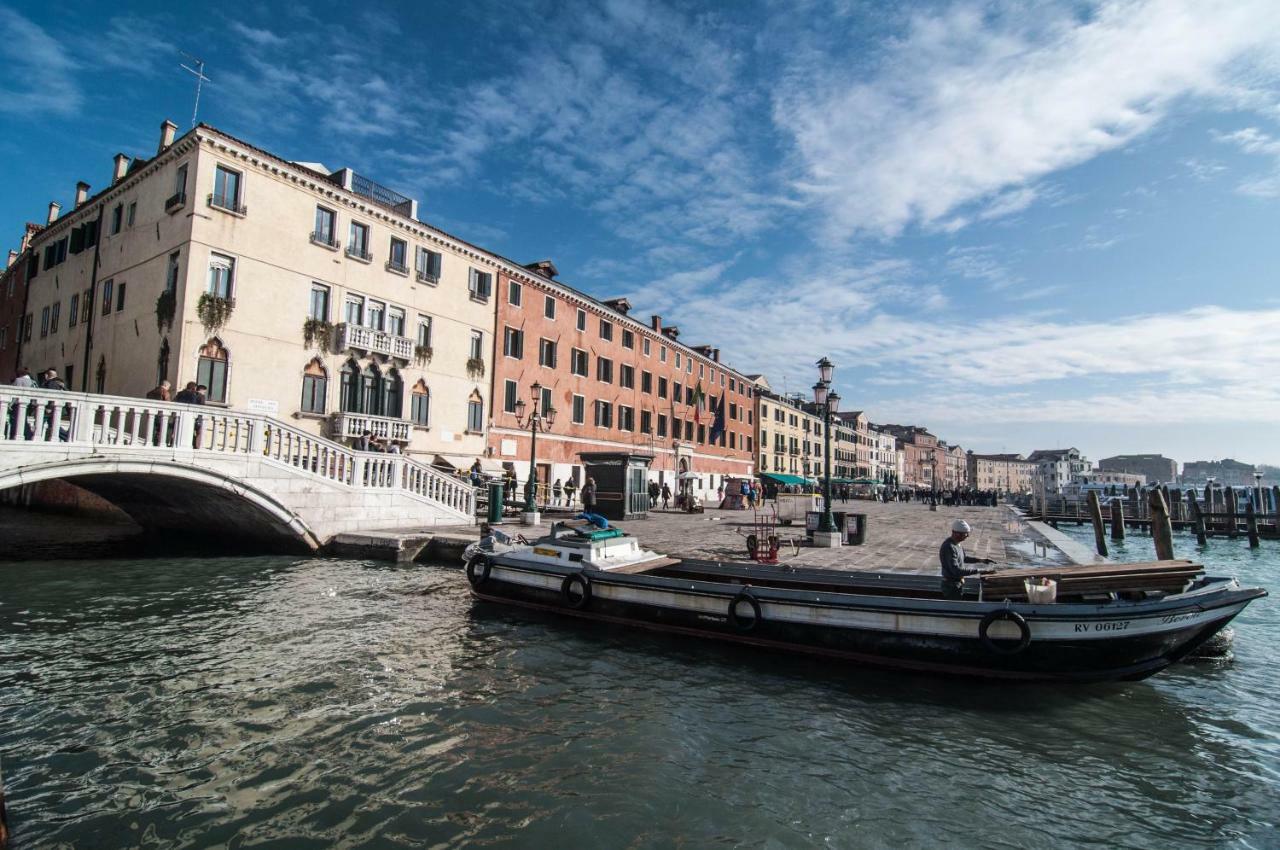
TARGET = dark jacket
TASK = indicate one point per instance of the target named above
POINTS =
(588, 494)
(188, 397)
(953, 560)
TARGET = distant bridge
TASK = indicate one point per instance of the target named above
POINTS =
(215, 471)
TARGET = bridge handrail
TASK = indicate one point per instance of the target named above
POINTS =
(31, 415)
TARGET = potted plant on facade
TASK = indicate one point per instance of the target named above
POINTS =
(317, 333)
(422, 354)
(166, 308)
(214, 311)
(475, 367)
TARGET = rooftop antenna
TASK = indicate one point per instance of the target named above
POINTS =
(198, 73)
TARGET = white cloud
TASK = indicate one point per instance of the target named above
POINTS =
(978, 102)
(39, 74)
(1253, 141)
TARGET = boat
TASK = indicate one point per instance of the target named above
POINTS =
(1108, 622)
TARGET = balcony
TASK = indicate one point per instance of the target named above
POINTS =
(379, 342)
(356, 252)
(426, 277)
(226, 204)
(343, 426)
(325, 240)
(397, 268)
(175, 202)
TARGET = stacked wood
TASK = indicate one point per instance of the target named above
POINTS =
(1167, 576)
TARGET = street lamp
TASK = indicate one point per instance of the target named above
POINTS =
(828, 402)
(535, 422)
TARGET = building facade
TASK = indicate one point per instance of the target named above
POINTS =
(924, 464)
(789, 436)
(1005, 473)
(1055, 468)
(886, 456)
(1155, 468)
(616, 384)
(13, 307)
(1119, 479)
(1227, 472)
(957, 467)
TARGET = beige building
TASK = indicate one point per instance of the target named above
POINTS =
(284, 287)
(1007, 473)
(886, 456)
(788, 437)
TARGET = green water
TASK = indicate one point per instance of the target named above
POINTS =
(300, 703)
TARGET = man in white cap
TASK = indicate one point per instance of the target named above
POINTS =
(954, 559)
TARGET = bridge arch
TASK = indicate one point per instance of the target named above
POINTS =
(172, 497)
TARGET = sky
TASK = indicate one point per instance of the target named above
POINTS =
(1021, 224)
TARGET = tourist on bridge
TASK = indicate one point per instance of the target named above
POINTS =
(954, 559)
(161, 392)
(363, 443)
(24, 378)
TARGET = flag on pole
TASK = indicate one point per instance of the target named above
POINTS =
(698, 398)
(717, 424)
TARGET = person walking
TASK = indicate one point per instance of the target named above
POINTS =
(557, 490)
(570, 487)
(589, 496)
(666, 496)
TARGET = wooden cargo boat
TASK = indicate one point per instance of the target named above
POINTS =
(1109, 622)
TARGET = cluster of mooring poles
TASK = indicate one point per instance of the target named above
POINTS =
(1161, 509)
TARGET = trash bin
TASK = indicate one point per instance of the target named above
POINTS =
(855, 529)
(495, 501)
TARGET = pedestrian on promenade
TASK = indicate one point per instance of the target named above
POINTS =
(654, 492)
(720, 494)
(953, 560)
(666, 496)
(570, 487)
(557, 489)
(589, 496)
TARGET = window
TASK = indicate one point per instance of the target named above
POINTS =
(626, 418)
(578, 362)
(73, 313)
(120, 297)
(392, 403)
(646, 422)
(319, 307)
(510, 395)
(27, 326)
(428, 265)
(226, 189)
(677, 360)
(627, 377)
(677, 394)
(171, 274)
(582, 320)
(326, 232)
(477, 345)
(644, 346)
(513, 293)
(90, 236)
(395, 321)
(662, 387)
(628, 339)
(180, 183)
(53, 315)
(646, 382)
(547, 353)
(353, 310)
(221, 275)
(44, 323)
(604, 414)
(604, 370)
(579, 411)
(315, 384)
(513, 343)
(548, 307)
(349, 388)
(86, 305)
(662, 425)
(688, 365)
(375, 314)
(545, 402)
(688, 431)
(475, 415)
(108, 289)
(606, 330)
(117, 216)
(398, 259)
(424, 330)
(358, 241)
(688, 397)
(211, 370)
(420, 404)
(702, 433)
(662, 354)
(480, 284)
(132, 215)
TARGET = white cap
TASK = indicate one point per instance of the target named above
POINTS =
(961, 525)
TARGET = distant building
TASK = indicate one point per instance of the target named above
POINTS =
(1120, 479)
(1006, 473)
(14, 327)
(1055, 468)
(789, 435)
(1225, 471)
(924, 462)
(886, 456)
(1157, 469)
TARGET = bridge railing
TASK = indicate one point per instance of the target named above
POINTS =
(34, 416)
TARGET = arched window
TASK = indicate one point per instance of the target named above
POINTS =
(392, 394)
(420, 404)
(349, 402)
(315, 387)
(162, 362)
(371, 391)
(212, 369)
(475, 412)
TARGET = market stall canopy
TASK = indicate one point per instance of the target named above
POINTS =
(779, 478)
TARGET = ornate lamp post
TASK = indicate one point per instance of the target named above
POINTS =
(827, 402)
(535, 422)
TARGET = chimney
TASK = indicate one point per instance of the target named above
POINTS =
(54, 209)
(13, 255)
(715, 354)
(82, 192)
(622, 305)
(546, 268)
(656, 321)
(167, 129)
(122, 166)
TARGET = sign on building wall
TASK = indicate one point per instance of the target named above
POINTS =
(264, 405)
(508, 447)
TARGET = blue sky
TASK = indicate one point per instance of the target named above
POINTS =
(1022, 224)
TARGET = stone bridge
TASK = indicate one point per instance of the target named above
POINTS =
(214, 471)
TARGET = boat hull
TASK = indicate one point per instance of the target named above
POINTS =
(1061, 642)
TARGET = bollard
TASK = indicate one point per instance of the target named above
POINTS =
(1161, 528)
(1197, 518)
(1095, 513)
(1251, 524)
(1117, 520)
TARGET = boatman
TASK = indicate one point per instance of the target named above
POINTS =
(954, 559)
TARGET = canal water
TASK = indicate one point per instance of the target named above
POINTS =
(308, 703)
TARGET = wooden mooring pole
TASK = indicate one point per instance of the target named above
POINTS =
(1251, 524)
(1232, 507)
(1095, 513)
(1161, 528)
(1117, 519)
(1197, 517)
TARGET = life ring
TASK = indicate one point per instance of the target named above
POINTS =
(1012, 616)
(478, 571)
(584, 594)
(737, 622)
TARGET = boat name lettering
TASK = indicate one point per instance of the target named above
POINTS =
(1118, 626)
(1175, 618)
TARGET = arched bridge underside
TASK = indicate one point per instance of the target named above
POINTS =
(178, 498)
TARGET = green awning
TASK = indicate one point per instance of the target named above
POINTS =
(779, 478)
(866, 481)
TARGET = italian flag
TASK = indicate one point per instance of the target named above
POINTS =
(698, 398)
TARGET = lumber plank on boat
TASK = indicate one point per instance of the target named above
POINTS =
(643, 566)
